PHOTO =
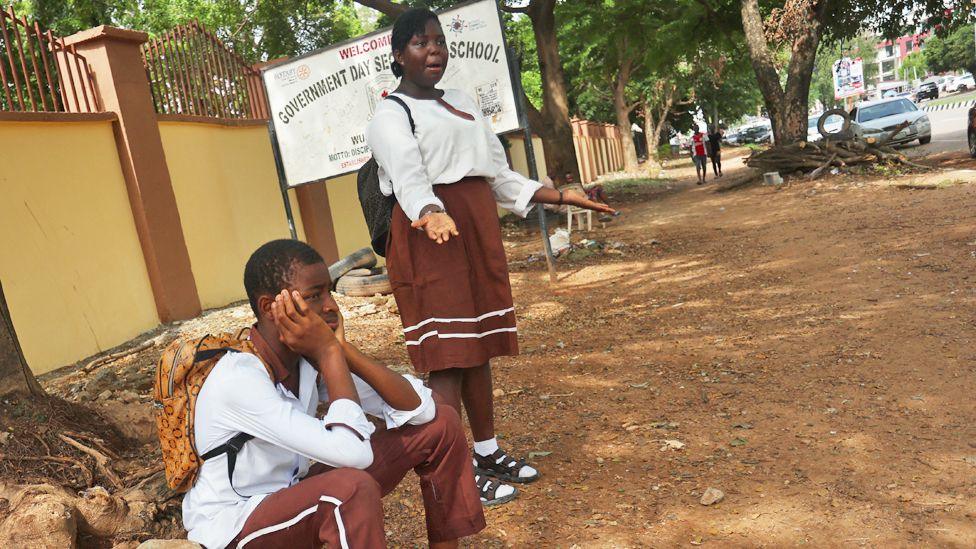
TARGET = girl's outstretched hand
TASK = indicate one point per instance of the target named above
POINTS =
(574, 198)
(438, 225)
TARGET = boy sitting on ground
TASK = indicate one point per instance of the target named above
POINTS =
(275, 496)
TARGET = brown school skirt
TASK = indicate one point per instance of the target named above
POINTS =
(455, 298)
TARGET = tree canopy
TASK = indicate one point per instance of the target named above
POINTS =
(954, 52)
(617, 61)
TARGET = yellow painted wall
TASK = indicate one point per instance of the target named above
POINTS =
(227, 192)
(519, 161)
(350, 228)
(70, 260)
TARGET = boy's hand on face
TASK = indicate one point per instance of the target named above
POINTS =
(302, 330)
(340, 331)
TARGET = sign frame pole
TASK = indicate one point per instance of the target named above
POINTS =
(534, 174)
(282, 183)
(279, 164)
(515, 72)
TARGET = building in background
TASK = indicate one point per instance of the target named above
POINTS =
(891, 54)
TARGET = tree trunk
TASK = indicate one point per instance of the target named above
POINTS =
(622, 110)
(715, 120)
(787, 108)
(552, 121)
(385, 7)
(14, 373)
(656, 119)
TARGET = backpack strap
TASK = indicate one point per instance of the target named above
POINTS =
(231, 448)
(402, 103)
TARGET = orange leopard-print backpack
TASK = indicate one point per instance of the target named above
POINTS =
(182, 369)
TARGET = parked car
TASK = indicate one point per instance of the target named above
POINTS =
(878, 118)
(960, 83)
(756, 134)
(927, 90)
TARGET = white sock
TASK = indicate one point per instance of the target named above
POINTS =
(526, 472)
(503, 489)
(486, 447)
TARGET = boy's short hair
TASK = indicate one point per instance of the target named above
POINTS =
(270, 267)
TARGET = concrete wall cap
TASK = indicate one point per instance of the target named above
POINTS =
(105, 32)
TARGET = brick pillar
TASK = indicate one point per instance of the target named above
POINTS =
(122, 88)
(313, 204)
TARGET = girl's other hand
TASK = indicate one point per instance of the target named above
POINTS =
(438, 225)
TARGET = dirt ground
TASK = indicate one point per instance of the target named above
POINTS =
(807, 350)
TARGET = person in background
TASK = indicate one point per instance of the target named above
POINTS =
(715, 149)
(699, 154)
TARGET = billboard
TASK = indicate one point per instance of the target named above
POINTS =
(321, 102)
(848, 77)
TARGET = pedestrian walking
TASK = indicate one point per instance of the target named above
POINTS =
(715, 149)
(699, 154)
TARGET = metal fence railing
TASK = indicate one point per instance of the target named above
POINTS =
(192, 72)
(39, 73)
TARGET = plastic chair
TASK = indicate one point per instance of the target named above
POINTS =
(578, 213)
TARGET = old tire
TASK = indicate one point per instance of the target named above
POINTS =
(822, 123)
(360, 272)
(364, 286)
(363, 258)
(366, 272)
(924, 140)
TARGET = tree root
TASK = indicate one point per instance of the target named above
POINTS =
(101, 461)
(101, 361)
(85, 471)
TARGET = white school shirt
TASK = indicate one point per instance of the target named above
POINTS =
(239, 396)
(444, 149)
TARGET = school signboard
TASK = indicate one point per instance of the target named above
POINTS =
(848, 77)
(320, 103)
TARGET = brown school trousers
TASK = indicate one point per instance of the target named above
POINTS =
(341, 507)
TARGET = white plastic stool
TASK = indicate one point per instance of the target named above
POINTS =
(572, 212)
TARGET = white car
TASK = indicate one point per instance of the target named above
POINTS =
(959, 83)
(878, 118)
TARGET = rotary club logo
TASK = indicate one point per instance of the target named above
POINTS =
(458, 25)
(303, 72)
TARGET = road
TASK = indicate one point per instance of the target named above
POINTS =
(948, 133)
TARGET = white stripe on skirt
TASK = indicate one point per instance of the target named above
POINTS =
(456, 336)
(501, 312)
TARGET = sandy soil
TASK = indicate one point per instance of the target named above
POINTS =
(807, 350)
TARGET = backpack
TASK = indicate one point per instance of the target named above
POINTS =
(182, 369)
(377, 207)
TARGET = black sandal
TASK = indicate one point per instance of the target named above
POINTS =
(502, 467)
(487, 488)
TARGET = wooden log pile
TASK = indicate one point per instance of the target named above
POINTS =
(815, 159)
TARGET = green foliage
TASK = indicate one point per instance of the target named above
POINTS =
(724, 84)
(257, 30)
(521, 39)
(953, 52)
(914, 65)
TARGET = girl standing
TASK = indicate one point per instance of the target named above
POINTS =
(445, 256)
